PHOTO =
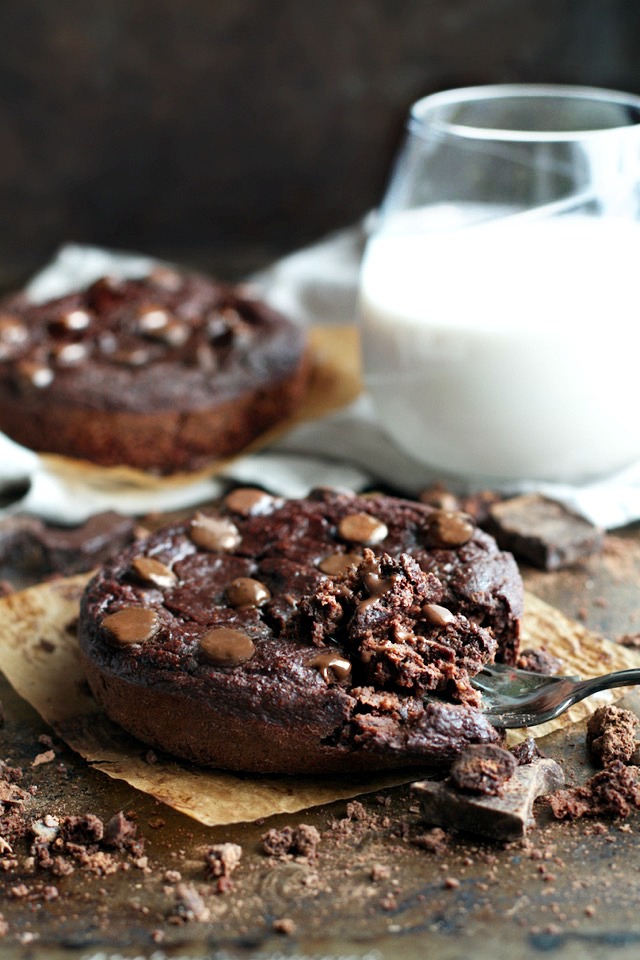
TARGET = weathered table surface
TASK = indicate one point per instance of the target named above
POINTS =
(572, 891)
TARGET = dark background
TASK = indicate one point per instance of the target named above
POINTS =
(223, 132)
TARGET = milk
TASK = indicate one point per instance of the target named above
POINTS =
(508, 348)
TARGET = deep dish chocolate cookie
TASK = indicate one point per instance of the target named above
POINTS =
(303, 635)
(164, 373)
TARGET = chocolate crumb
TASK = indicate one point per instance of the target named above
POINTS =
(613, 792)
(189, 905)
(300, 841)
(611, 734)
(222, 859)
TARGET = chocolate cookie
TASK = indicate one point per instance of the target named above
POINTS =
(330, 633)
(164, 373)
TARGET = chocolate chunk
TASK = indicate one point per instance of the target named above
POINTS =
(611, 734)
(543, 532)
(505, 816)
(483, 768)
(119, 832)
(153, 572)
(449, 528)
(335, 564)
(249, 501)
(331, 666)
(214, 533)
(362, 528)
(245, 592)
(225, 647)
(131, 625)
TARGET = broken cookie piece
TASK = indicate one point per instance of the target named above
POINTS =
(543, 531)
(506, 816)
(613, 792)
(611, 734)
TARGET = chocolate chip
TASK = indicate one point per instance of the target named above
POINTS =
(331, 666)
(69, 354)
(438, 615)
(362, 528)
(131, 625)
(335, 564)
(450, 528)
(214, 533)
(440, 498)
(134, 357)
(166, 278)
(249, 501)
(246, 592)
(13, 334)
(225, 647)
(152, 319)
(35, 374)
(153, 572)
(175, 334)
(71, 321)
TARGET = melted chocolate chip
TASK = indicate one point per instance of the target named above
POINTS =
(335, 564)
(450, 528)
(131, 625)
(153, 572)
(362, 528)
(214, 533)
(245, 592)
(331, 666)
(438, 615)
(249, 501)
(225, 647)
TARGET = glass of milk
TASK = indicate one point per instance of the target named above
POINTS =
(500, 287)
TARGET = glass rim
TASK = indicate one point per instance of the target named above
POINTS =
(419, 111)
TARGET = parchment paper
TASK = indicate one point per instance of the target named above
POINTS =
(40, 658)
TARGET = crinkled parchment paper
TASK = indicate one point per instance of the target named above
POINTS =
(40, 658)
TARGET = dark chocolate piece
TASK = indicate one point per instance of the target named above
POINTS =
(506, 816)
(543, 531)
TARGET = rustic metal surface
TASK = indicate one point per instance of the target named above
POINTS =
(572, 891)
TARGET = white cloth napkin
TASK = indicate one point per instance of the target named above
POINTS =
(345, 449)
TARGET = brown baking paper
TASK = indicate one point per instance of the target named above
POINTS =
(40, 658)
(335, 382)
